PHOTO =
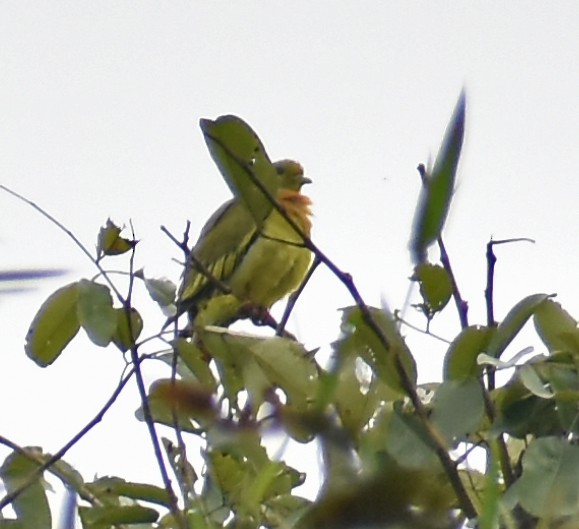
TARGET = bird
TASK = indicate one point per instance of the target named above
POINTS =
(235, 265)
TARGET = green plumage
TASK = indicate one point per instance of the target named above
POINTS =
(258, 268)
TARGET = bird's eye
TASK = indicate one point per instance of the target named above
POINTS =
(279, 170)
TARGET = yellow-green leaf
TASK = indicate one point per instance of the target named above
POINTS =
(196, 361)
(110, 242)
(556, 327)
(137, 491)
(238, 152)
(460, 361)
(54, 326)
(435, 286)
(513, 323)
(125, 335)
(95, 312)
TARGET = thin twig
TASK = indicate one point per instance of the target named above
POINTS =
(491, 261)
(199, 266)
(505, 462)
(401, 320)
(294, 297)
(148, 416)
(461, 304)
(70, 234)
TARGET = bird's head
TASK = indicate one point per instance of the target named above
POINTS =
(291, 175)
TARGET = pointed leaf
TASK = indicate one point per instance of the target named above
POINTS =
(54, 326)
(163, 291)
(513, 323)
(110, 242)
(95, 312)
(237, 151)
(437, 191)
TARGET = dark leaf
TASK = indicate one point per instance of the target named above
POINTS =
(436, 194)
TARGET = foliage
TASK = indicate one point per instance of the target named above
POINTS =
(396, 454)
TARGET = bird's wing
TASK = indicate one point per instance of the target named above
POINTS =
(223, 242)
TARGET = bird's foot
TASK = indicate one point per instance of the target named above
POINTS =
(258, 315)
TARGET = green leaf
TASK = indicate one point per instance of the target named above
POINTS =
(354, 407)
(196, 361)
(285, 510)
(436, 194)
(54, 326)
(548, 486)
(435, 286)
(458, 408)
(533, 382)
(110, 242)
(409, 443)
(286, 365)
(125, 335)
(236, 366)
(137, 491)
(513, 323)
(95, 312)
(460, 361)
(257, 364)
(360, 339)
(163, 291)
(31, 505)
(247, 485)
(521, 413)
(107, 516)
(556, 328)
(237, 152)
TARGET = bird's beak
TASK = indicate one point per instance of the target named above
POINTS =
(306, 180)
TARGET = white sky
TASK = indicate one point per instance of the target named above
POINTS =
(99, 110)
